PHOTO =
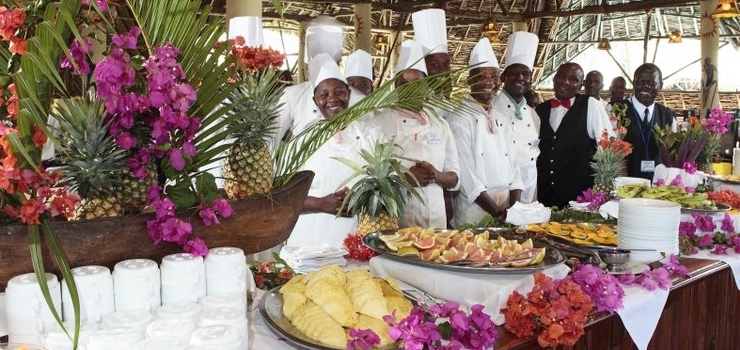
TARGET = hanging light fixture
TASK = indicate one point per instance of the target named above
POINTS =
(489, 29)
(726, 9)
(674, 38)
(604, 44)
(380, 41)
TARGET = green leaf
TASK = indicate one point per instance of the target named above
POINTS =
(206, 186)
(181, 194)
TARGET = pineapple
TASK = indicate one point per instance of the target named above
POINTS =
(378, 196)
(136, 190)
(606, 165)
(91, 162)
(248, 167)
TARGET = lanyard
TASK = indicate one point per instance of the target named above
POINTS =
(645, 140)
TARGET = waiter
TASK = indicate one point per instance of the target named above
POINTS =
(489, 174)
(427, 144)
(643, 113)
(521, 50)
(318, 222)
(571, 125)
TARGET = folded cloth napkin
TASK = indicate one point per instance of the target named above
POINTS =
(467, 289)
(641, 312)
(732, 259)
(305, 259)
(610, 208)
(3, 322)
(523, 214)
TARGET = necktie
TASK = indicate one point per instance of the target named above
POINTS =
(645, 116)
(558, 103)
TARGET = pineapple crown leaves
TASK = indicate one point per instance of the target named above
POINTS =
(381, 184)
(256, 106)
(91, 161)
(413, 96)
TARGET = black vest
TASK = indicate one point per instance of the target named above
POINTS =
(662, 117)
(563, 170)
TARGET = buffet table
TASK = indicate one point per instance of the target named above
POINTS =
(699, 314)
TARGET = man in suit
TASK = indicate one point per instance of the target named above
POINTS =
(571, 125)
(643, 113)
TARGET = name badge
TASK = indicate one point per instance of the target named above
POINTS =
(647, 166)
(433, 139)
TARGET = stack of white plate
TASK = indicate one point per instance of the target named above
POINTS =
(648, 224)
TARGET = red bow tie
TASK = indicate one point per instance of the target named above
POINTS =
(556, 103)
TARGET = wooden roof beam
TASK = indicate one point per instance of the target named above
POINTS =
(631, 6)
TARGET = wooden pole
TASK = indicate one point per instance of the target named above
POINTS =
(236, 8)
(302, 69)
(363, 27)
(709, 48)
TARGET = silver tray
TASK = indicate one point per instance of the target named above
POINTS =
(552, 255)
(721, 208)
(271, 310)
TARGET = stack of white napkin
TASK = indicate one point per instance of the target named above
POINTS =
(305, 259)
(523, 214)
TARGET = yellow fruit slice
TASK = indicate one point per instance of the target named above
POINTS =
(395, 246)
(410, 251)
(540, 257)
(484, 235)
(528, 244)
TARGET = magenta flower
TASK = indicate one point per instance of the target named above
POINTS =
(176, 159)
(677, 181)
(79, 54)
(704, 223)
(686, 228)
(362, 339)
(727, 225)
(223, 207)
(735, 242)
(196, 246)
(208, 215)
(689, 167)
(127, 40)
(602, 287)
(705, 241)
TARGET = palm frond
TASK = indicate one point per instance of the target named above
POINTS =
(413, 95)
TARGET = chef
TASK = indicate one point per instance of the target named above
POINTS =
(298, 110)
(427, 143)
(489, 173)
(319, 221)
(511, 103)
(359, 71)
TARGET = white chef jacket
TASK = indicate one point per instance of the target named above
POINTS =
(487, 161)
(526, 136)
(319, 228)
(299, 111)
(431, 142)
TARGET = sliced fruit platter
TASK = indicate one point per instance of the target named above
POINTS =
(585, 234)
(676, 194)
(476, 251)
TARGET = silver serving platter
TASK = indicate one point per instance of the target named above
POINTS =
(271, 310)
(721, 208)
(552, 255)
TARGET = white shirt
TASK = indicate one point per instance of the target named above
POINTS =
(318, 228)
(526, 136)
(596, 119)
(640, 108)
(488, 160)
(431, 142)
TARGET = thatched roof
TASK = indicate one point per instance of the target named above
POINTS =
(565, 27)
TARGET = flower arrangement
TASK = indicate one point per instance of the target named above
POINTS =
(436, 327)
(555, 311)
(255, 59)
(695, 145)
(611, 151)
(271, 274)
(702, 233)
(602, 287)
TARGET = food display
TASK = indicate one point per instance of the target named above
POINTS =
(670, 193)
(453, 246)
(580, 233)
(325, 304)
(728, 197)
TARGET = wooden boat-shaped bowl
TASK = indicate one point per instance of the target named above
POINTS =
(259, 222)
